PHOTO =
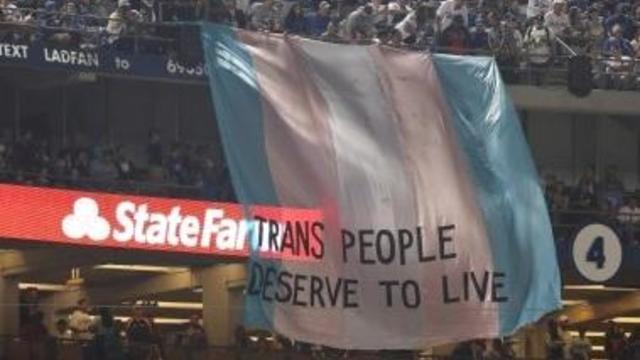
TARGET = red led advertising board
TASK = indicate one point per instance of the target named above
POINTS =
(143, 223)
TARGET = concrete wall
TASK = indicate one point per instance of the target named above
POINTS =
(564, 144)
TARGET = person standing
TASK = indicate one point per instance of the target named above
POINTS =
(195, 338)
(557, 340)
(139, 332)
(80, 322)
(581, 347)
(537, 8)
(557, 20)
(107, 345)
(448, 11)
(615, 342)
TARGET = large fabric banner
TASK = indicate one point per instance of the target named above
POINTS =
(432, 225)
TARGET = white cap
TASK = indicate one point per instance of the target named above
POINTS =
(123, 3)
(558, 2)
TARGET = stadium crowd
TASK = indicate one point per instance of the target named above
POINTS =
(535, 35)
(180, 170)
(592, 198)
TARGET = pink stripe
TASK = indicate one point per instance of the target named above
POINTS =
(443, 191)
(300, 155)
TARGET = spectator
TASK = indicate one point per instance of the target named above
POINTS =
(456, 38)
(125, 168)
(618, 63)
(611, 189)
(195, 338)
(107, 345)
(35, 331)
(398, 10)
(634, 344)
(317, 22)
(294, 22)
(557, 340)
(265, 16)
(538, 45)
(621, 17)
(495, 351)
(417, 28)
(140, 335)
(557, 20)
(635, 44)
(595, 31)
(615, 342)
(119, 20)
(584, 195)
(80, 322)
(448, 10)
(147, 11)
(103, 167)
(231, 15)
(9, 12)
(617, 45)
(578, 32)
(333, 32)
(359, 25)
(468, 350)
(154, 150)
(506, 43)
(629, 218)
(480, 37)
(63, 333)
(241, 341)
(580, 346)
(537, 8)
(629, 213)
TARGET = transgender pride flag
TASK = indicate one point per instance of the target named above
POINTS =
(419, 157)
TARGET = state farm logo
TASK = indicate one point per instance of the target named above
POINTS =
(86, 221)
(179, 226)
(131, 222)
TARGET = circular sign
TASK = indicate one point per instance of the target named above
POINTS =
(597, 252)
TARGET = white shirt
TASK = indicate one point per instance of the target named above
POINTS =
(538, 46)
(116, 25)
(11, 12)
(537, 7)
(556, 23)
(396, 8)
(635, 44)
(447, 11)
(80, 322)
(408, 26)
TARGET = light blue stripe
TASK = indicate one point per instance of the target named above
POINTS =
(506, 185)
(236, 98)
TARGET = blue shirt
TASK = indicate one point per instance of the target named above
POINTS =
(295, 25)
(317, 24)
(623, 44)
(624, 21)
